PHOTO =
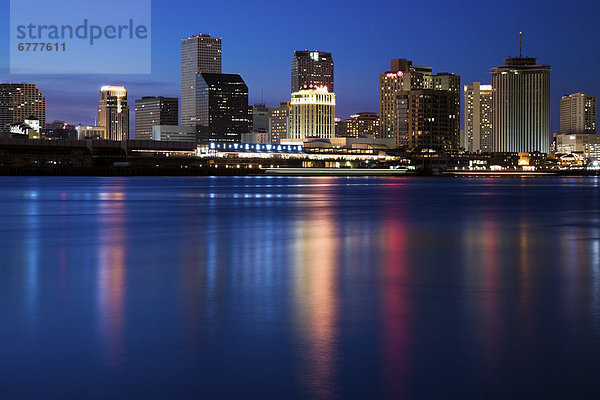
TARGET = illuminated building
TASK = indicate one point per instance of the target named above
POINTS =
(173, 133)
(312, 114)
(364, 123)
(113, 112)
(18, 102)
(222, 107)
(312, 69)
(151, 111)
(578, 113)
(521, 109)
(477, 136)
(587, 144)
(278, 122)
(30, 128)
(256, 138)
(419, 109)
(199, 53)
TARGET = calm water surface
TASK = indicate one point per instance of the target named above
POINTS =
(299, 288)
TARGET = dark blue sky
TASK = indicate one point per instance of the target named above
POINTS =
(466, 37)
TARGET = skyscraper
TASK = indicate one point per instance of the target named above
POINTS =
(279, 122)
(312, 114)
(578, 113)
(419, 109)
(312, 69)
(478, 118)
(18, 102)
(152, 111)
(199, 53)
(260, 118)
(521, 110)
(113, 112)
(222, 107)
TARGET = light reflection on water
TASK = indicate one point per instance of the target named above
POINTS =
(110, 274)
(315, 256)
(300, 287)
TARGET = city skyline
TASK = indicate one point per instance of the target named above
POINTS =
(266, 68)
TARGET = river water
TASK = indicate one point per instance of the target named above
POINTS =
(299, 288)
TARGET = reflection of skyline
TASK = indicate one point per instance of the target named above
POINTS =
(111, 274)
(483, 260)
(303, 290)
(395, 306)
(315, 274)
(32, 256)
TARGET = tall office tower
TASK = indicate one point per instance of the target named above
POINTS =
(222, 107)
(419, 109)
(311, 69)
(152, 111)
(364, 123)
(312, 114)
(521, 110)
(279, 122)
(113, 112)
(18, 102)
(478, 118)
(578, 113)
(260, 118)
(199, 53)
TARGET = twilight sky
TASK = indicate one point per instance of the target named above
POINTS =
(466, 37)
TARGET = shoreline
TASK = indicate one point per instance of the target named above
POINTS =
(249, 171)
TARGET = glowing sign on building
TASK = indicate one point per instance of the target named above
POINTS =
(394, 74)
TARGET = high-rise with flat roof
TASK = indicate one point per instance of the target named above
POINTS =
(418, 109)
(363, 123)
(521, 109)
(152, 111)
(260, 118)
(18, 102)
(199, 54)
(578, 113)
(222, 107)
(279, 122)
(312, 114)
(312, 69)
(478, 105)
(113, 112)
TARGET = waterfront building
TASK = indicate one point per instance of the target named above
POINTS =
(312, 114)
(521, 106)
(419, 109)
(578, 113)
(18, 102)
(151, 111)
(199, 53)
(586, 144)
(222, 107)
(478, 103)
(113, 112)
(173, 133)
(363, 123)
(279, 122)
(311, 69)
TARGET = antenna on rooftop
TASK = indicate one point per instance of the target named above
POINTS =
(520, 36)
